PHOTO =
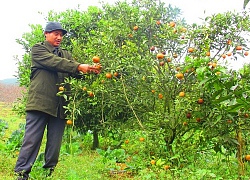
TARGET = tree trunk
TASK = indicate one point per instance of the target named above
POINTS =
(95, 140)
(241, 170)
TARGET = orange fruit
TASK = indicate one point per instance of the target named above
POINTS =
(160, 96)
(246, 53)
(166, 167)
(229, 42)
(178, 69)
(158, 22)
(152, 162)
(126, 141)
(246, 115)
(169, 59)
(208, 53)
(183, 29)
(69, 122)
(175, 55)
(247, 157)
(96, 59)
(218, 73)
(190, 49)
(91, 94)
(185, 123)
(200, 101)
(214, 65)
(223, 56)
(229, 54)
(161, 63)
(84, 88)
(198, 119)
(130, 35)
(135, 28)
(141, 139)
(61, 88)
(160, 56)
(116, 74)
(182, 94)
(238, 48)
(108, 75)
(153, 91)
(188, 115)
(179, 75)
(172, 24)
(229, 121)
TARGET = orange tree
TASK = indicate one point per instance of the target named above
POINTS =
(159, 75)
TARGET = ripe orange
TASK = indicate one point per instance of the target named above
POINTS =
(229, 42)
(160, 96)
(135, 28)
(188, 115)
(141, 139)
(152, 162)
(84, 88)
(198, 119)
(214, 65)
(246, 53)
(229, 121)
(160, 56)
(182, 94)
(229, 54)
(179, 75)
(69, 122)
(208, 53)
(116, 74)
(247, 157)
(61, 88)
(175, 55)
(183, 29)
(200, 101)
(108, 75)
(161, 63)
(178, 69)
(238, 48)
(166, 167)
(169, 59)
(126, 141)
(96, 59)
(246, 115)
(190, 49)
(153, 91)
(223, 56)
(91, 94)
(158, 22)
(172, 24)
(130, 35)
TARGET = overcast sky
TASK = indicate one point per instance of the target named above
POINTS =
(16, 16)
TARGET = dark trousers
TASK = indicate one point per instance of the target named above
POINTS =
(36, 122)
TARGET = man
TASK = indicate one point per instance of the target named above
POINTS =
(50, 65)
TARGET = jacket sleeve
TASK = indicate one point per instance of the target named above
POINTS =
(42, 58)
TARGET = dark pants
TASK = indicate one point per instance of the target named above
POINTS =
(36, 122)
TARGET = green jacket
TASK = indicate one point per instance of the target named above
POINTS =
(47, 72)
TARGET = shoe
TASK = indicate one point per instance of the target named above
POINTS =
(23, 176)
(51, 170)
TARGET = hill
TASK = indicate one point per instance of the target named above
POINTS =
(9, 81)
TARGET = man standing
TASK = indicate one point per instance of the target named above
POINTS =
(50, 65)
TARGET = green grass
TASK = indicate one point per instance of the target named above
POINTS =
(86, 164)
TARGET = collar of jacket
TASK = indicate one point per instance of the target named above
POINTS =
(50, 47)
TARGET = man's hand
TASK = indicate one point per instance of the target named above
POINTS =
(85, 68)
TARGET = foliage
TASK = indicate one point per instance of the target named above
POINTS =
(152, 56)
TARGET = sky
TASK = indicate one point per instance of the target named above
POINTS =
(15, 17)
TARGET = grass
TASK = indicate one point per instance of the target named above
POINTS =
(86, 164)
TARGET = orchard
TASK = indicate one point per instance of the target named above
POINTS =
(166, 96)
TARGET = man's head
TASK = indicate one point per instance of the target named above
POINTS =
(54, 33)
